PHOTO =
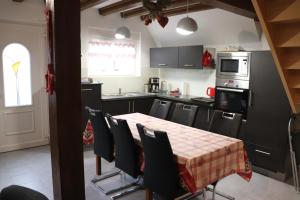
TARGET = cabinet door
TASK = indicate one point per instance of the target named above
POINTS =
(142, 105)
(90, 96)
(116, 107)
(268, 116)
(166, 57)
(190, 57)
(269, 113)
(203, 117)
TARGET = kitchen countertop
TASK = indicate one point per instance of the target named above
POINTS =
(134, 95)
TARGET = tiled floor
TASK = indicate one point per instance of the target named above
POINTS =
(32, 168)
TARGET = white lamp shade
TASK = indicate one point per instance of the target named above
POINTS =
(122, 32)
(186, 26)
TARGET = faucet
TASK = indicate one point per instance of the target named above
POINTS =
(120, 91)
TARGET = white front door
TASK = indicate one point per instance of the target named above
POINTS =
(23, 100)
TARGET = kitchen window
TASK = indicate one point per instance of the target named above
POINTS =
(112, 57)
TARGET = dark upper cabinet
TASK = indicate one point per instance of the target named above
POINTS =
(190, 57)
(166, 57)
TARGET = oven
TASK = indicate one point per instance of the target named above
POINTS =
(234, 65)
(233, 100)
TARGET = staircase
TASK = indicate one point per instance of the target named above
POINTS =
(280, 21)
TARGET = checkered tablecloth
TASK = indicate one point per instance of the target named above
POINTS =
(205, 157)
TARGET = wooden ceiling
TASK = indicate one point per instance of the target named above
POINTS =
(133, 8)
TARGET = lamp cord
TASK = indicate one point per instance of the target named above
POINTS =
(187, 8)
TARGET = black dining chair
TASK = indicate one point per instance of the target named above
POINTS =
(161, 175)
(103, 143)
(294, 142)
(227, 124)
(126, 153)
(184, 114)
(160, 108)
(15, 192)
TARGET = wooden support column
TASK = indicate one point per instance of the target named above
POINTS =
(65, 103)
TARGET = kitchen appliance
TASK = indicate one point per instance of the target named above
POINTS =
(232, 92)
(154, 85)
(233, 100)
(233, 65)
(164, 86)
(211, 92)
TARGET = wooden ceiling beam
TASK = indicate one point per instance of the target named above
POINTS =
(181, 10)
(142, 11)
(240, 7)
(85, 4)
(119, 6)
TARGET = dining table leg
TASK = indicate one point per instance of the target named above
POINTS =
(149, 194)
(98, 165)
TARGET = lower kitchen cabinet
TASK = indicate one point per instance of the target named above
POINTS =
(203, 117)
(266, 157)
(125, 106)
(116, 107)
(142, 105)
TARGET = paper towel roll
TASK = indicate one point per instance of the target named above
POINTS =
(186, 88)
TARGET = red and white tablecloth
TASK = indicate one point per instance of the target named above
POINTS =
(203, 157)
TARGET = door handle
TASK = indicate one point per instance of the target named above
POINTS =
(132, 106)
(88, 89)
(250, 99)
(128, 106)
(263, 152)
(162, 64)
(188, 65)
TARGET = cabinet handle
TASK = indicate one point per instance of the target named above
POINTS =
(83, 90)
(128, 106)
(132, 106)
(162, 64)
(263, 152)
(250, 99)
(208, 115)
(188, 65)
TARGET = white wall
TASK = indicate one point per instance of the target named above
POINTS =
(29, 11)
(90, 19)
(216, 28)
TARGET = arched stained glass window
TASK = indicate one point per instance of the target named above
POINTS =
(16, 75)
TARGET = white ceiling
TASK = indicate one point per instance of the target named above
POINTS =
(215, 27)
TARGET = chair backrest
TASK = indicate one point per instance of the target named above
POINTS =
(126, 157)
(103, 138)
(160, 174)
(184, 114)
(295, 133)
(227, 124)
(160, 108)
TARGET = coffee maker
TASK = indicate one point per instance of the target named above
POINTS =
(153, 85)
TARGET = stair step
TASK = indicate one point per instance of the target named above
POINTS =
(290, 14)
(293, 41)
(294, 66)
(296, 86)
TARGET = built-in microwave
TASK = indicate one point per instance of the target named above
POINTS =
(234, 65)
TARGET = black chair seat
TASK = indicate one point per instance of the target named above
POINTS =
(15, 192)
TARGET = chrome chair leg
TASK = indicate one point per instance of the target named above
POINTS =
(293, 157)
(126, 192)
(215, 192)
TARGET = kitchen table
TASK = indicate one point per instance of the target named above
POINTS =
(204, 157)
